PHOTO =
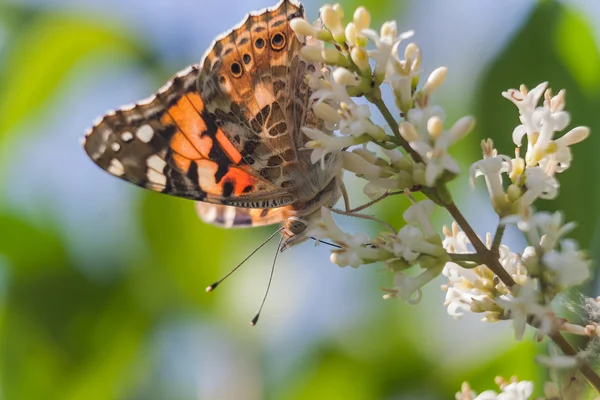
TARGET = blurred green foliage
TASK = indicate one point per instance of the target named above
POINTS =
(66, 336)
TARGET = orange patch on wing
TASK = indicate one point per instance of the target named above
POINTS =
(181, 162)
(196, 101)
(190, 124)
(233, 154)
(181, 145)
(239, 179)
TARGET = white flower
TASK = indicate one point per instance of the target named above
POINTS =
(568, 264)
(385, 44)
(462, 290)
(559, 159)
(356, 121)
(419, 117)
(353, 162)
(408, 288)
(492, 166)
(525, 302)
(456, 241)
(352, 251)
(331, 87)
(526, 101)
(400, 74)
(409, 243)
(551, 225)
(323, 144)
(419, 214)
(539, 185)
(548, 124)
(435, 157)
(513, 390)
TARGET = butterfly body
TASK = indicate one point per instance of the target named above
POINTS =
(226, 132)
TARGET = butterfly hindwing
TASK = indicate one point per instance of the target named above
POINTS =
(237, 217)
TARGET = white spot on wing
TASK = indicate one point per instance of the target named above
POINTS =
(115, 146)
(229, 216)
(156, 177)
(127, 136)
(145, 133)
(116, 167)
(156, 163)
(208, 212)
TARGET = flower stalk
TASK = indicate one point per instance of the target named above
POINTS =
(484, 276)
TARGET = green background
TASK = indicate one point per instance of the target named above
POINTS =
(102, 284)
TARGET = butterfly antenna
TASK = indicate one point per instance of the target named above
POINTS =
(327, 243)
(217, 283)
(255, 319)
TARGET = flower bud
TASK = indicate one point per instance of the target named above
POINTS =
(326, 112)
(361, 59)
(345, 77)
(362, 19)
(303, 27)
(333, 21)
(334, 57)
(408, 132)
(312, 54)
(435, 79)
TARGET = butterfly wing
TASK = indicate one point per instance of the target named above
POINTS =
(254, 85)
(169, 143)
(227, 132)
(238, 217)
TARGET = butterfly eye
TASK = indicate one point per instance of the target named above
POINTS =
(236, 69)
(260, 43)
(278, 41)
(247, 58)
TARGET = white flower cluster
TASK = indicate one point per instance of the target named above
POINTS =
(509, 390)
(533, 177)
(484, 277)
(551, 262)
(353, 70)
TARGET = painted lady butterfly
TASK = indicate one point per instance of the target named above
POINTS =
(226, 132)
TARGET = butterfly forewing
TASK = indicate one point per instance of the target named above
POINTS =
(226, 131)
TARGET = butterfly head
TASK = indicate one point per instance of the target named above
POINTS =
(293, 231)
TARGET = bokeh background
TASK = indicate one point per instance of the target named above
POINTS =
(102, 283)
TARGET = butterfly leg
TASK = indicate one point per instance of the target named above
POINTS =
(363, 216)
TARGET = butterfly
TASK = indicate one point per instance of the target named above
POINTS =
(226, 132)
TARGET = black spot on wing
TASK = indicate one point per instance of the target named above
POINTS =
(228, 187)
